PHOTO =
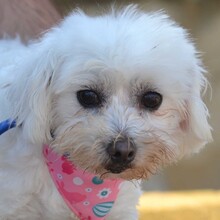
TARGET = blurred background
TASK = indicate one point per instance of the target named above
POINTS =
(202, 19)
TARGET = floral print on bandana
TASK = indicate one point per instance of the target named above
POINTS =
(104, 193)
(88, 196)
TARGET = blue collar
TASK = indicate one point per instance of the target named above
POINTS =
(6, 125)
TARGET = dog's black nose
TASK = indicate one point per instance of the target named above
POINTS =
(121, 151)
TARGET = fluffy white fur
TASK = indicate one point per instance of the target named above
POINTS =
(121, 54)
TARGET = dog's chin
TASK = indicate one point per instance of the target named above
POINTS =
(120, 172)
(126, 174)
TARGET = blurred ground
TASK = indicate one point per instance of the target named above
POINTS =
(190, 205)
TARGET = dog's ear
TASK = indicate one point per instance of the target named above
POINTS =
(30, 94)
(195, 125)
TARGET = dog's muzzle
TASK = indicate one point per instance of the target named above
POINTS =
(121, 152)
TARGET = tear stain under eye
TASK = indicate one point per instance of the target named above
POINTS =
(184, 125)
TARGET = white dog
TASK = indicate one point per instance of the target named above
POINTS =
(116, 97)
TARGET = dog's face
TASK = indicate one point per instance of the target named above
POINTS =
(116, 125)
(123, 123)
(120, 94)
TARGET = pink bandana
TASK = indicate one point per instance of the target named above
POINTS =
(88, 196)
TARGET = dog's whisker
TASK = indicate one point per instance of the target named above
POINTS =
(86, 169)
(103, 174)
(134, 183)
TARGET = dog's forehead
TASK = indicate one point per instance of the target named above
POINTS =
(106, 79)
(121, 52)
(97, 74)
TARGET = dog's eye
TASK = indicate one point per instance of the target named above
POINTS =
(151, 100)
(88, 98)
